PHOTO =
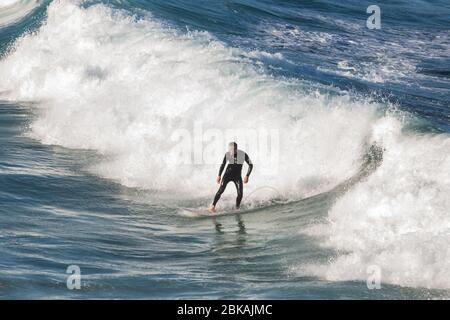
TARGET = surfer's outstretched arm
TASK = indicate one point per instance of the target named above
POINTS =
(222, 166)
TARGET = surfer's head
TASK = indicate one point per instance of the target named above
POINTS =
(232, 147)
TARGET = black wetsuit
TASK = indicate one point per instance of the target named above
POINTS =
(233, 173)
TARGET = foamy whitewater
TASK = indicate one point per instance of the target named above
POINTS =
(129, 86)
(13, 10)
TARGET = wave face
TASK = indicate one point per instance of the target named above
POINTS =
(120, 85)
(14, 10)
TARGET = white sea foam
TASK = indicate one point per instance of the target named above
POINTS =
(14, 10)
(398, 219)
(121, 86)
(7, 3)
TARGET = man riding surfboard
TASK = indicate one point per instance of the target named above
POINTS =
(235, 159)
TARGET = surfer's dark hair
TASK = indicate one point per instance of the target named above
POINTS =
(234, 144)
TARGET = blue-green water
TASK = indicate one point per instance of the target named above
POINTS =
(92, 91)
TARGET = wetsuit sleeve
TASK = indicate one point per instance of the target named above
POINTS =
(250, 165)
(222, 166)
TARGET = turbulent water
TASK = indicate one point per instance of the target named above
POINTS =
(92, 92)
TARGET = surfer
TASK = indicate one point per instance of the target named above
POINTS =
(235, 159)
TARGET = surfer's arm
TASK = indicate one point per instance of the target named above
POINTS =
(222, 166)
(250, 165)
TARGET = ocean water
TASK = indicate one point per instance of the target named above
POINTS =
(91, 93)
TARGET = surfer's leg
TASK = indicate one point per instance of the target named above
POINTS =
(222, 187)
(240, 191)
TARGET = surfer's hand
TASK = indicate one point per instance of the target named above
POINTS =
(218, 179)
(245, 179)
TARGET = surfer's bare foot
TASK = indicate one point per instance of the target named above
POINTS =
(212, 209)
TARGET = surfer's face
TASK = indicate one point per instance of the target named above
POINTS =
(231, 148)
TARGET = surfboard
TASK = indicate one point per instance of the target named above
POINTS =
(203, 212)
(187, 212)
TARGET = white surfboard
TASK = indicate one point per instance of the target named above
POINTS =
(193, 213)
(203, 212)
